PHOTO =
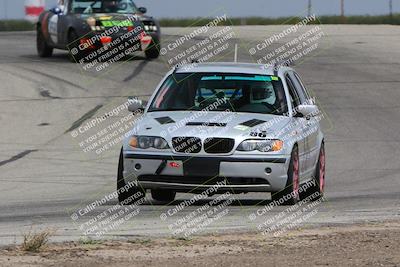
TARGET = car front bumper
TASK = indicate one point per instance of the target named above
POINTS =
(197, 173)
(129, 41)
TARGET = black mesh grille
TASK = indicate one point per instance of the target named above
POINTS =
(203, 180)
(186, 145)
(218, 145)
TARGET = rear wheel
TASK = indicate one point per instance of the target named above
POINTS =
(126, 196)
(290, 195)
(163, 195)
(43, 49)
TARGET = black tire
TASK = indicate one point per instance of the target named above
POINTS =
(163, 195)
(153, 51)
(290, 195)
(317, 191)
(73, 45)
(126, 197)
(43, 49)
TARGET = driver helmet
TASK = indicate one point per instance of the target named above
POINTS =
(259, 95)
(110, 5)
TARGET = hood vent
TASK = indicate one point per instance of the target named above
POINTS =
(252, 123)
(208, 124)
(164, 120)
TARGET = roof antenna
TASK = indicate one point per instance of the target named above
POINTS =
(236, 53)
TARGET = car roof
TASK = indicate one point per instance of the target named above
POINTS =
(228, 67)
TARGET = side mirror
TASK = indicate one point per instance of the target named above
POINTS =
(142, 10)
(136, 105)
(308, 110)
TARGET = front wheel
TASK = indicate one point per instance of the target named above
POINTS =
(126, 195)
(317, 190)
(43, 49)
(74, 52)
(153, 51)
(290, 194)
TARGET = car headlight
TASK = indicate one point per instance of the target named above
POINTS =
(97, 28)
(261, 145)
(91, 21)
(145, 142)
(152, 28)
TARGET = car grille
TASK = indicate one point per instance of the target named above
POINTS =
(188, 145)
(218, 145)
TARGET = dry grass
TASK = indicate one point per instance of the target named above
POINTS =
(89, 241)
(33, 242)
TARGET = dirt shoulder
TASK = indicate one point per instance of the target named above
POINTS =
(375, 244)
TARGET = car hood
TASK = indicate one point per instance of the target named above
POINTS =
(210, 124)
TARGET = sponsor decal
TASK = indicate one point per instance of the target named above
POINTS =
(118, 23)
(174, 164)
(105, 17)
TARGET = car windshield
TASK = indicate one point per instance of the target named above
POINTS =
(103, 6)
(221, 91)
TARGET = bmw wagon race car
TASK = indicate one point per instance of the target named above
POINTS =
(84, 26)
(245, 127)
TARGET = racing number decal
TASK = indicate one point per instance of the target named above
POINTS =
(53, 28)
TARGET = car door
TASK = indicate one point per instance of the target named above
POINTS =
(312, 123)
(298, 125)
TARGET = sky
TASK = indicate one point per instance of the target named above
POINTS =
(14, 9)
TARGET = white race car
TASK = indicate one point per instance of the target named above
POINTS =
(246, 127)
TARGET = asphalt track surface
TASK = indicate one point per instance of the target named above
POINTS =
(45, 176)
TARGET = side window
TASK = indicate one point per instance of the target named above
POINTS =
(294, 97)
(300, 87)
